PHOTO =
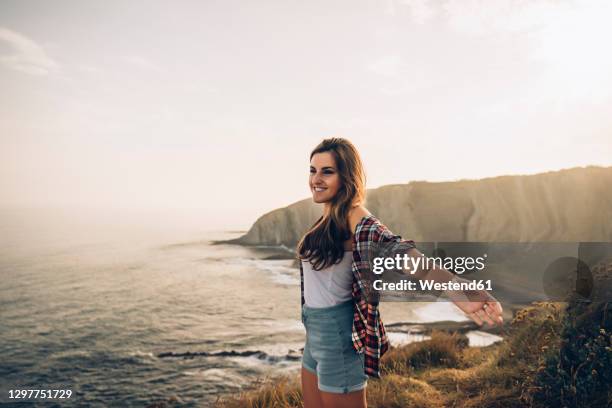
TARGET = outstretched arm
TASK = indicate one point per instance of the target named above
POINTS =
(479, 305)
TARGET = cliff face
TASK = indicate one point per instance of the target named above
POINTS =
(566, 205)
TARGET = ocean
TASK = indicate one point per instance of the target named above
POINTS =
(130, 313)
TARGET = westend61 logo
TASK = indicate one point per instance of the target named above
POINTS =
(412, 264)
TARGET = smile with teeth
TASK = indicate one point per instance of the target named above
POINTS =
(319, 189)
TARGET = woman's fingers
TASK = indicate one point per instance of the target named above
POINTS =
(499, 308)
(484, 315)
(494, 306)
(494, 310)
(489, 311)
(475, 318)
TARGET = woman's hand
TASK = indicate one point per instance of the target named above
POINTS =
(480, 306)
(489, 311)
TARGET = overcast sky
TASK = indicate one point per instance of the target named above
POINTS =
(212, 107)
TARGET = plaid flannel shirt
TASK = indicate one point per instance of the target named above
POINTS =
(369, 336)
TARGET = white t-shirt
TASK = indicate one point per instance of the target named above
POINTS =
(329, 286)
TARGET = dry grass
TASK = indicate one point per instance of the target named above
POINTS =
(442, 350)
(282, 392)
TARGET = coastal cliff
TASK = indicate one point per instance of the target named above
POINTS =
(557, 206)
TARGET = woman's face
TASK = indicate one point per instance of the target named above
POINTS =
(324, 178)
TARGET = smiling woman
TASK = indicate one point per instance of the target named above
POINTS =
(333, 372)
(338, 180)
(345, 336)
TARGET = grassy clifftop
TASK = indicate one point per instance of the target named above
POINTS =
(554, 354)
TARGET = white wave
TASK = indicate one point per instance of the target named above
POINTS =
(479, 338)
(439, 311)
(72, 353)
(217, 375)
(139, 353)
(285, 325)
(280, 271)
(400, 339)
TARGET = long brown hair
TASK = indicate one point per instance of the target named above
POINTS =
(322, 244)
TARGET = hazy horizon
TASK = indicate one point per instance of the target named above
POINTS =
(210, 110)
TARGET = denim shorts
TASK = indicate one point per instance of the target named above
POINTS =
(329, 351)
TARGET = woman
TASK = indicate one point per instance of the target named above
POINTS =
(345, 337)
